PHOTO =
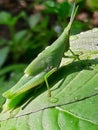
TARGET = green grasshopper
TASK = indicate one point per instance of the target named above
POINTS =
(38, 71)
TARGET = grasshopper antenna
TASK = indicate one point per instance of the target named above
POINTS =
(74, 11)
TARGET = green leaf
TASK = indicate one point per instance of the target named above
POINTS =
(5, 18)
(19, 36)
(75, 85)
(34, 20)
(2, 41)
(3, 55)
(10, 68)
(92, 4)
(15, 71)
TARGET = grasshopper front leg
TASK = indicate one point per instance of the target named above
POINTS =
(75, 55)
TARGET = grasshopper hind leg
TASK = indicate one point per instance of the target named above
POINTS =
(49, 91)
(51, 99)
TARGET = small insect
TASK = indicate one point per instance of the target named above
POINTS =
(38, 71)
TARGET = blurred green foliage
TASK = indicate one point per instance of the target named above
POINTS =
(41, 29)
